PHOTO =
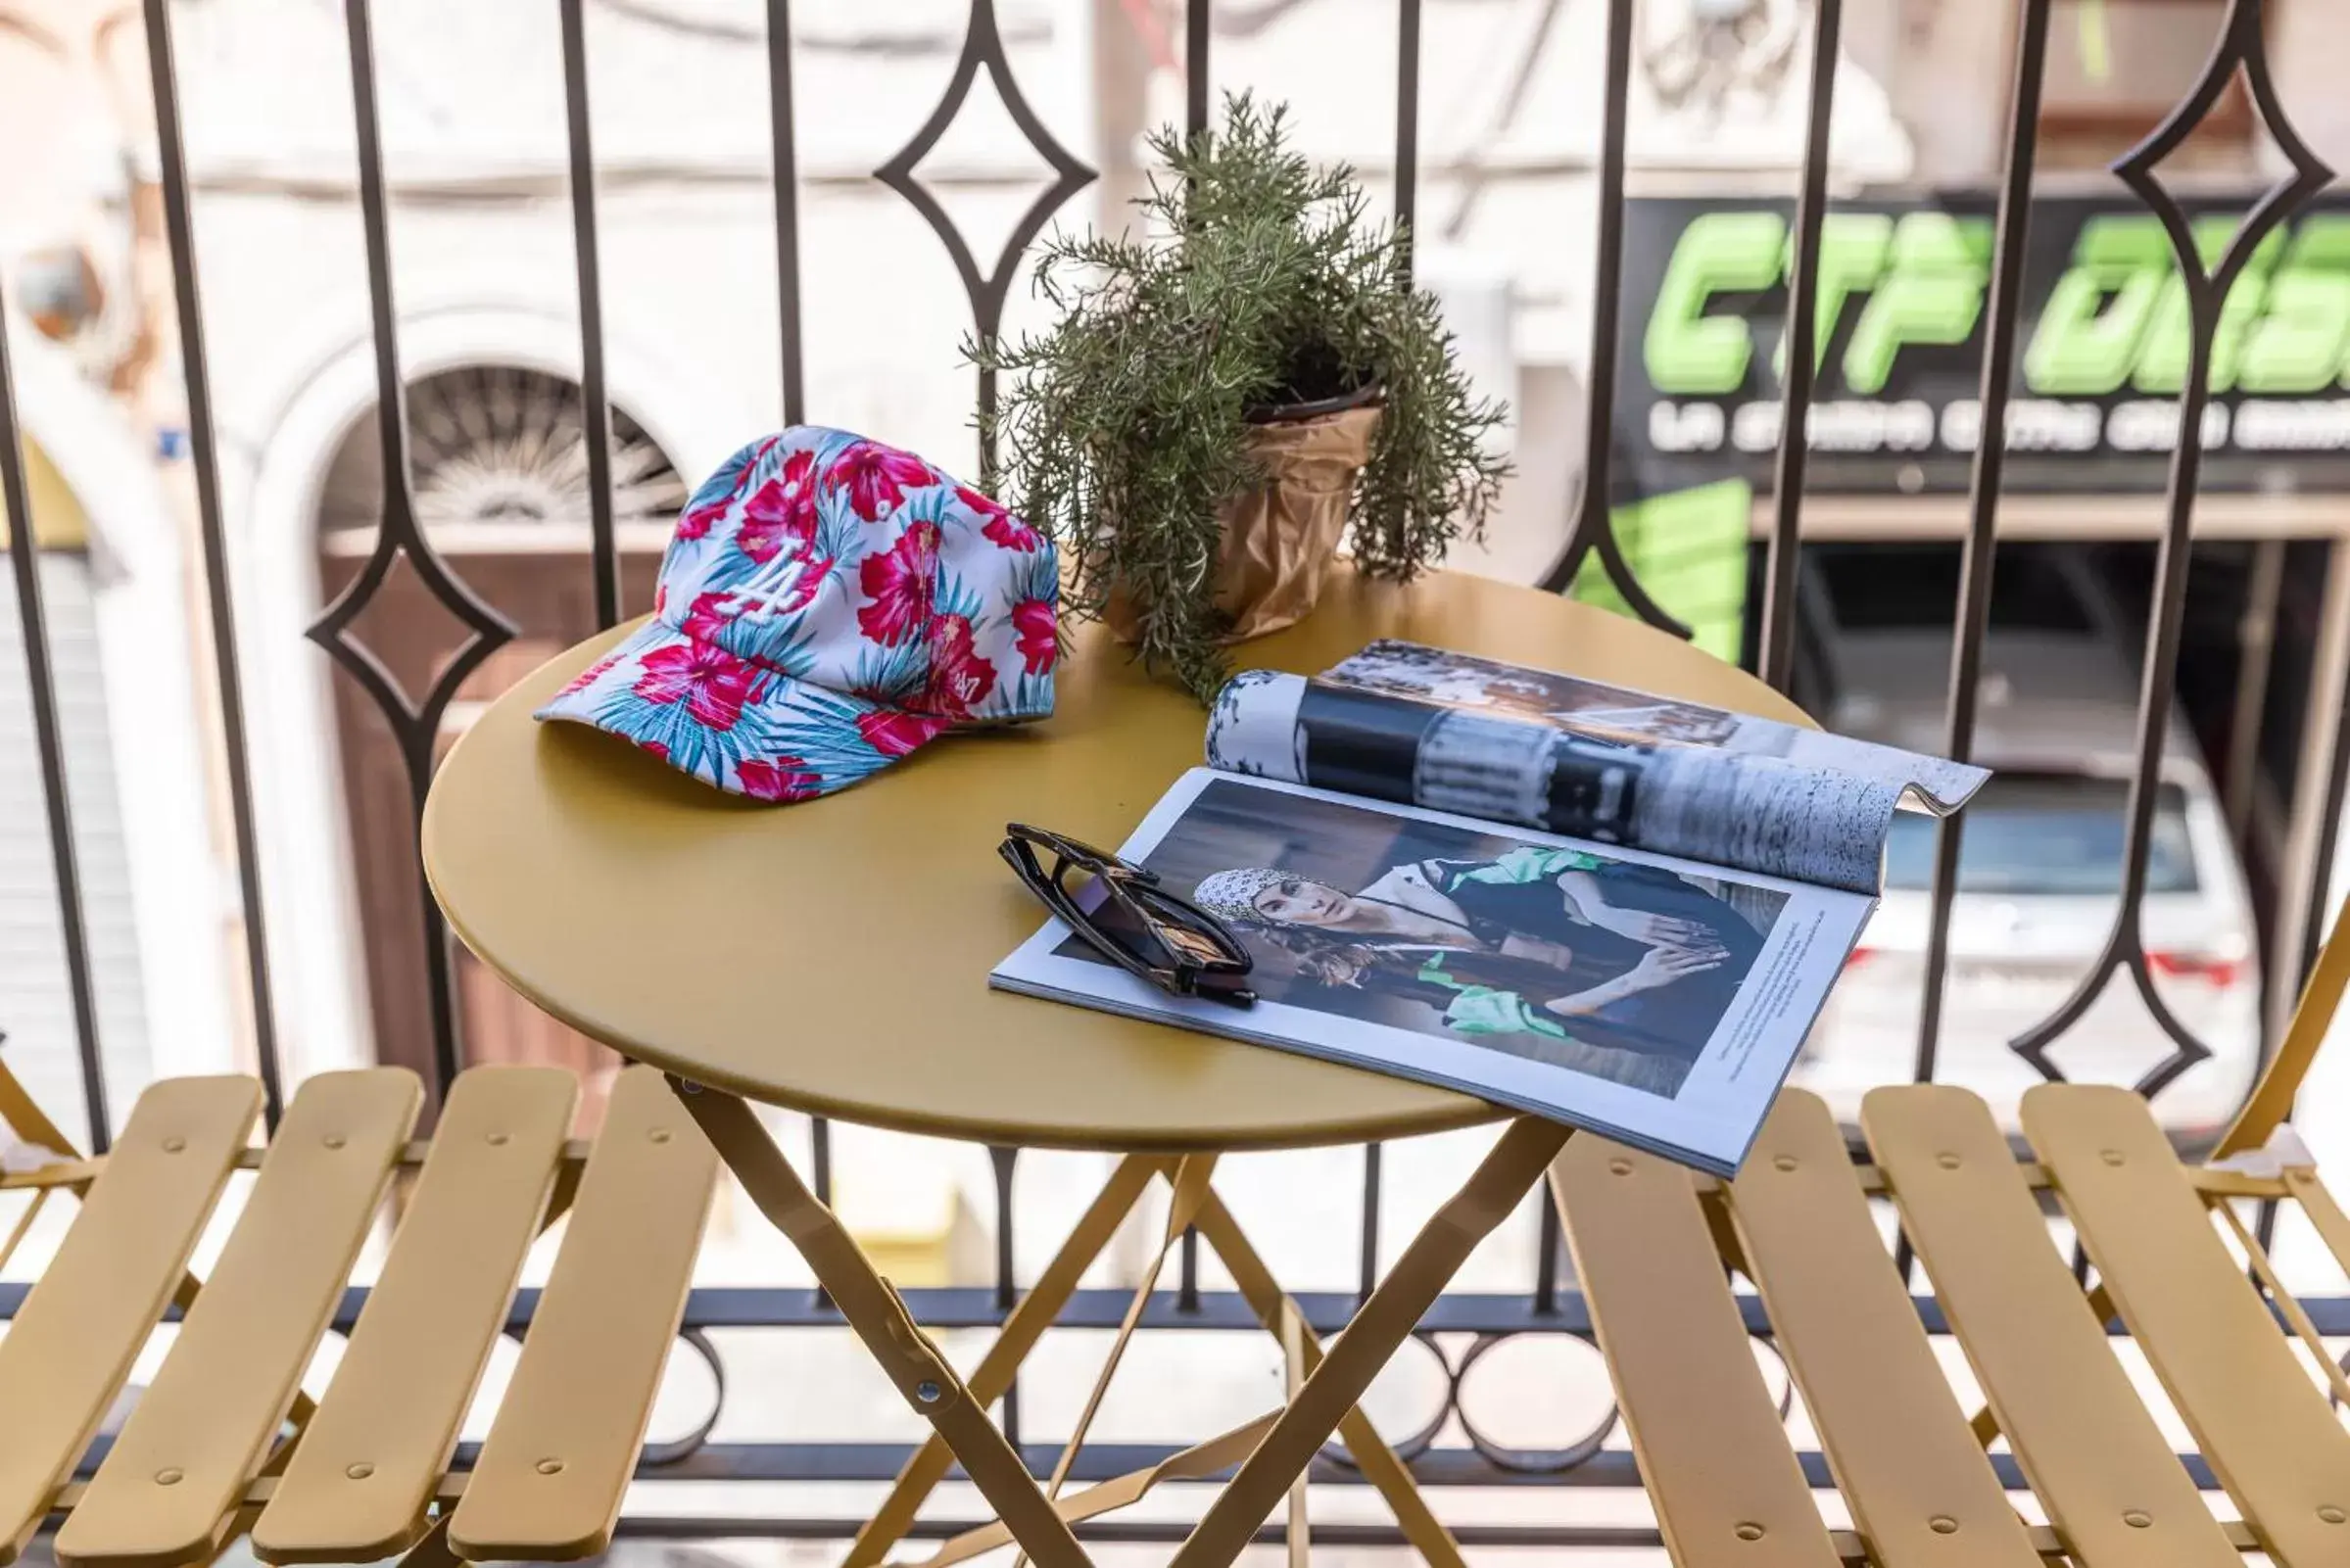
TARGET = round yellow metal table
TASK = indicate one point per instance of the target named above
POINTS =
(832, 956)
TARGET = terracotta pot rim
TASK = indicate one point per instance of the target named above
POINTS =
(1286, 414)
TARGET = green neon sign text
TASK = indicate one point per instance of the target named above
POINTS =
(2115, 322)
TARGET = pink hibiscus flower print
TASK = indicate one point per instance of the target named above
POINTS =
(712, 613)
(712, 682)
(893, 733)
(659, 748)
(778, 779)
(959, 679)
(1040, 639)
(898, 582)
(1001, 527)
(779, 511)
(877, 478)
(695, 522)
(589, 676)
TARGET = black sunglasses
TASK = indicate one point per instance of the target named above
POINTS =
(1151, 933)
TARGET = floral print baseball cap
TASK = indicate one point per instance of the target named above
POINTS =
(827, 604)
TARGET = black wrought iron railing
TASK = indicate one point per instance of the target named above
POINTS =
(1463, 1328)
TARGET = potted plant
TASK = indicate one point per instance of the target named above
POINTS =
(1226, 389)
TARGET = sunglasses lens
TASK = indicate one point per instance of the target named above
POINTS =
(1119, 910)
(1183, 932)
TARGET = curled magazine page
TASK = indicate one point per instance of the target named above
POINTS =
(1467, 683)
(1762, 813)
(1755, 811)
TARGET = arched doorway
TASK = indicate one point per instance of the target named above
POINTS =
(498, 463)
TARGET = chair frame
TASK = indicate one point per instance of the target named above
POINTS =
(2249, 1163)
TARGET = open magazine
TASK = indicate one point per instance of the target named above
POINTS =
(1617, 910)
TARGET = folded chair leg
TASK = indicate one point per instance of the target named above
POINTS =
(1506, 1174)
(20, 1114)
(1024, 1327)
(1985, 1426)
(873, 1309)
(431, 1549)
(2286, 1302)
(24, 1225)
(2324, 1215)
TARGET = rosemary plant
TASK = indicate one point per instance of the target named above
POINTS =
(1252, 282)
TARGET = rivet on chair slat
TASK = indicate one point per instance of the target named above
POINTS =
(2260, 1422)
(1920, 1489)
(74, 1338)
(2082, 1438)
(1712, 1451)
(549, 1483)
(368, 1465)
(168, 1488)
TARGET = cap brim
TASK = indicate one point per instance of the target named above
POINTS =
(749, 729)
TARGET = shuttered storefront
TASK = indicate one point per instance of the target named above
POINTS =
(37, 1008)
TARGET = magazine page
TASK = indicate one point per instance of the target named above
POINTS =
(1651, 999)
(1593, 708)
(1403, 723)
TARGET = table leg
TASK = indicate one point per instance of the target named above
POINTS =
(1195, 1464)
(1293, 1378)
(1378, 1462)
(881, 1319)
(1506, 1174)
(1279, 1313)
(1190, 1182)
(1024, 1327)
(1324, 1385)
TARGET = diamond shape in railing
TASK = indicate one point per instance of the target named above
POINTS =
(984, 49)
(2241, 45)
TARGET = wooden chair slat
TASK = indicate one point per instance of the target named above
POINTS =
(1920, 1489)
(1712, 1451)
(2259, 1420)
(549, 1483)
(2082, 1438)
(65, 1357)
(171, 1487)
(369, 1461)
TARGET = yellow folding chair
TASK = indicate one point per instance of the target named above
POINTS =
(224, 1442)
(2174, 1261)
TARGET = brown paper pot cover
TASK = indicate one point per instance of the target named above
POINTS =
(1280, 540)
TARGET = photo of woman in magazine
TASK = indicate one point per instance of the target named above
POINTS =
(1580, 960)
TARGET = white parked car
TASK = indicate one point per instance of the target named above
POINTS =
(2038, 881)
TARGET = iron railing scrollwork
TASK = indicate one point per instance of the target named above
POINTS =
(1798, 352)
(2013, 229)
(594, 402)
(984, 50)
(204, 450)
(2241, 46)
(661, 1451)
(784, 131)
(415, 721)
(1195, 65)
(1594, 524)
